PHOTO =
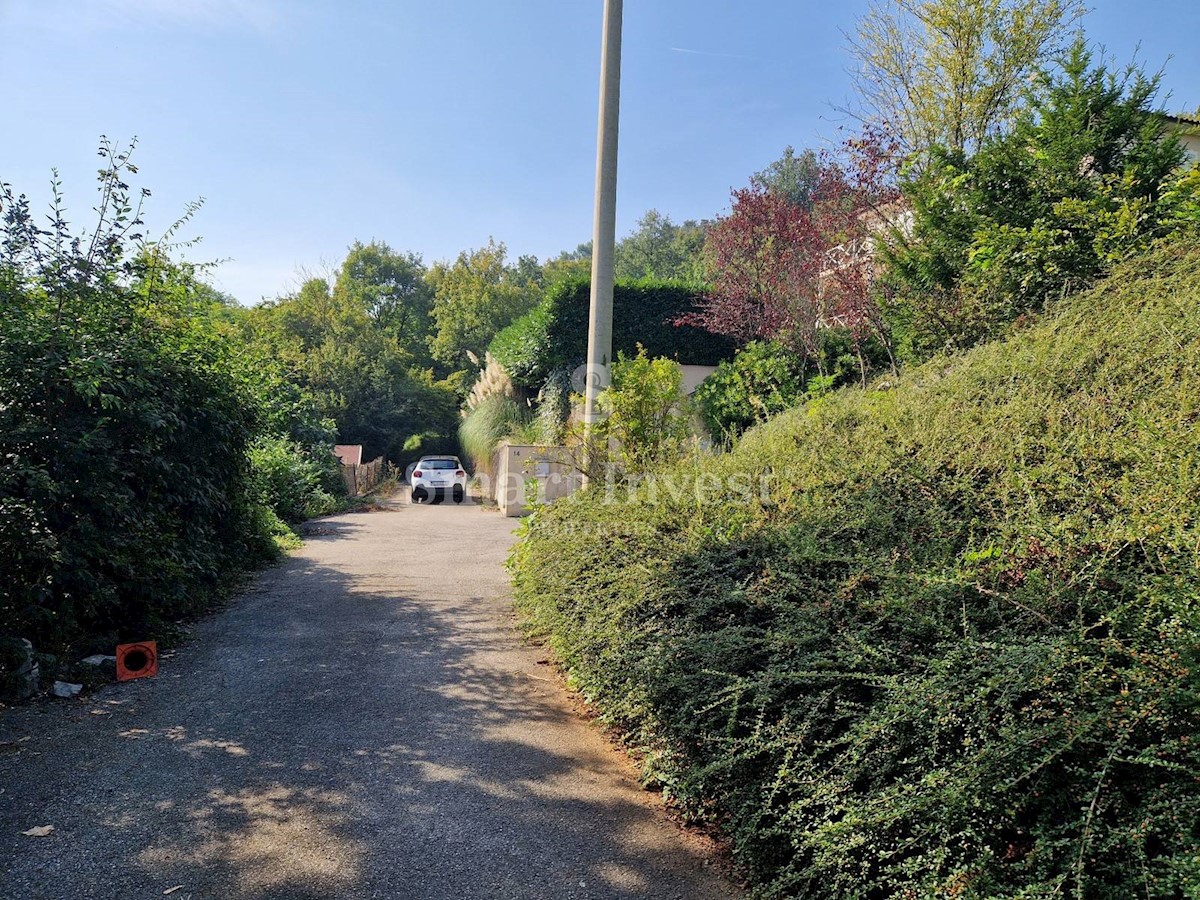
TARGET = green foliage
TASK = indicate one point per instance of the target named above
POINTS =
(342, 354)
(526, 348)
(1181, 201)
(136, 478)
(1078, 186)
(647, 419)
(662, 250)
(766, 378)
(794, 178)
(568, 265)
(474, 299)
(952, 649)
(123, 431)
(495, 418)
(553, 336)
(392, 288)
(291, 481)
(383, 404)
(657, 248)
(951, 73)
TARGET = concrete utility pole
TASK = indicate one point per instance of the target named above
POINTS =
(604, 228)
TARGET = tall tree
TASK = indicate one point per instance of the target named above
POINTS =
(341, 349)
(794, 178)
(303, 321)
(474, 298)
(658, 248)
(391, 288)
(1085, 179)
(951, 73)
(528, 272)
(569, 264)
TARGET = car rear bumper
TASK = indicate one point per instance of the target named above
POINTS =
(422, 491)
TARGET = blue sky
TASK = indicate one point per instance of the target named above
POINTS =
(436, 124)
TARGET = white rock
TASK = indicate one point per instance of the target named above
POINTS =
(98, 659)
(66, 689)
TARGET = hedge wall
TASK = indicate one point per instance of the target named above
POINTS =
(554, 335)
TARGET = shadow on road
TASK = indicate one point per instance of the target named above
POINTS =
(332, 737)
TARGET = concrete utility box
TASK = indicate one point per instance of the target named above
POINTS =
(525, 470)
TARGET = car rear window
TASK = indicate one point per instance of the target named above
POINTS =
(439, 464)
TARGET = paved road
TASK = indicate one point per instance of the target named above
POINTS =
(362, 723)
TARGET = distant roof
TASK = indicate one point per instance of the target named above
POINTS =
(1184, 118)
(349, 454)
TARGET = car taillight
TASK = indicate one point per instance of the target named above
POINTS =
(460, 473)
(416, 473)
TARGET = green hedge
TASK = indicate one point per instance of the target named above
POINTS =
(294, 481)
(148, 454)
(954, 649)
(553, 336)
(124, 482)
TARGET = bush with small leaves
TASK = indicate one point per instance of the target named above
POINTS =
(940, 640)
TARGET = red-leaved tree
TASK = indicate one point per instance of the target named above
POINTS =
(766, 259)
(858, 207)
(783, 272)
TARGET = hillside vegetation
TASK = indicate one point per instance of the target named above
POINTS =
(952, 649)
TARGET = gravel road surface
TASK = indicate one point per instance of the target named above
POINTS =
(363, 722)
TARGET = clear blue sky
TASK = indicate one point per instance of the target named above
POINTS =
(434, 124)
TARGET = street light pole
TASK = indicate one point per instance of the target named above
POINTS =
(604, 227)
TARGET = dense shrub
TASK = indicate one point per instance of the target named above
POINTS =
(338, 352)
(391, 403)
(1086, 179)
(292, 480)
(123, 489)
(553, 336)
(646, 419)
(953, 649)
(765, 378)
(127, 417)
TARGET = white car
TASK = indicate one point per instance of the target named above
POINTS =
(439, 476)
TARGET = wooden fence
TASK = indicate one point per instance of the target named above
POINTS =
(363, 478)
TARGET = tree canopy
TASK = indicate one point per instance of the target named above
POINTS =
(391, 288)
(952, 73)
(792, 177)
(1083, 180)
(660, 249)
(475, 297)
